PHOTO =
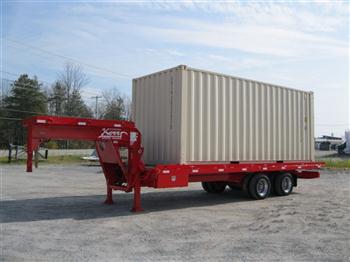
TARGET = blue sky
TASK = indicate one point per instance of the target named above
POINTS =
(304, 45)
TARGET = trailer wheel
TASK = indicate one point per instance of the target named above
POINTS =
(259, 186)
(284, 184)
(214, 187)
(234, 187)
(245, 185)
(205, 187)
(218, 187)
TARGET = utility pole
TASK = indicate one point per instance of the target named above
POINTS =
(96, 97)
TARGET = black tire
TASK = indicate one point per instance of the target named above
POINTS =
(205, 187)
(259, 186)
(245, 185)
(214, 187)
(219, 187)
(234, 187)
(284, 184)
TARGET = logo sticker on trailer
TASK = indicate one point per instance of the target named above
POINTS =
(112, 133)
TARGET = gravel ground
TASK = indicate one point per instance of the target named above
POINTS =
(56, 214)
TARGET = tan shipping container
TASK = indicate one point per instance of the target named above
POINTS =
(188, 115)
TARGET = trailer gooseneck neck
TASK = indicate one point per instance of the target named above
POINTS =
(130, 174)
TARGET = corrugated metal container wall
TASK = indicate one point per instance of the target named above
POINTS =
(201, 116)
(157, 113)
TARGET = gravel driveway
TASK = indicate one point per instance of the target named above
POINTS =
(56, 214)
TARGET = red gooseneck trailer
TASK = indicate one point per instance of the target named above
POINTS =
(111, 136)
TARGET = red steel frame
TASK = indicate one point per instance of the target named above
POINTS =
(112, 135)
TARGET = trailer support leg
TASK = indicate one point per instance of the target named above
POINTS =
(109, 197)
(137, 196)
(36, 157)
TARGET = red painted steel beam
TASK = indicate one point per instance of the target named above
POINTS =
(307, 174)
(109, 136)
(166, 176)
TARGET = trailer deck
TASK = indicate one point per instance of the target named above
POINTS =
(110, 136)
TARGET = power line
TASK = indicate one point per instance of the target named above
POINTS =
(44, 81)
(24, 86)
(16, 75)
(6, 72)
(38, 113)
(29, 85)
(69, 58)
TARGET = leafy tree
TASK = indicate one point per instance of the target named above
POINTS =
(76, 106)
(114, 106)
(57, 99)
(25, 99)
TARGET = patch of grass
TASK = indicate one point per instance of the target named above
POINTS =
(51, 160)
(337, 163)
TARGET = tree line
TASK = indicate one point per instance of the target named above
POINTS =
(26, 97)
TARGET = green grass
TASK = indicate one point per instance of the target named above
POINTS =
(343, 163)
(51, 160)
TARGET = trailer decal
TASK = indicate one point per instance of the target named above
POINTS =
(112, 133)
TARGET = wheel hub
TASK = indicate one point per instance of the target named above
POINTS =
(262, 187)
(286, 184)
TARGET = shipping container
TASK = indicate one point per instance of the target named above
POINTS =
(188, 115)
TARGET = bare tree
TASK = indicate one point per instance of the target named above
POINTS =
(72, 78)
(127, 107)
(5, 89)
